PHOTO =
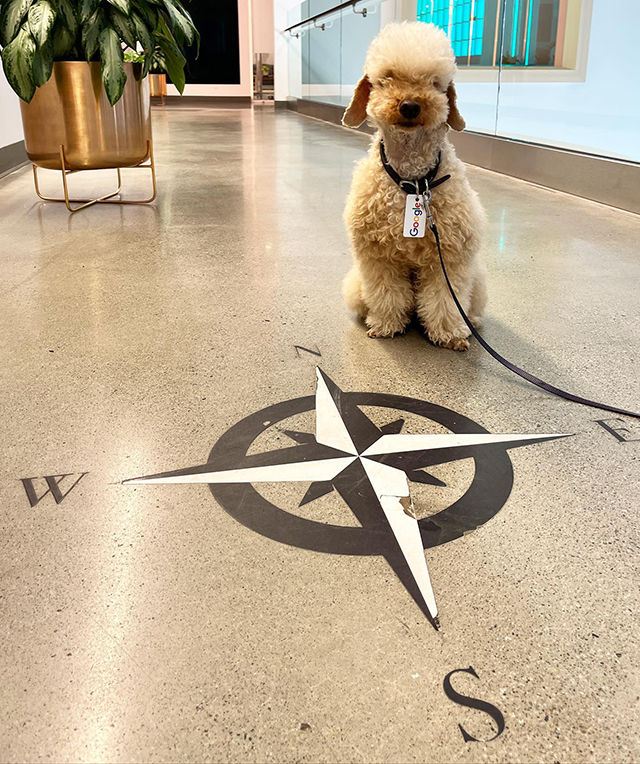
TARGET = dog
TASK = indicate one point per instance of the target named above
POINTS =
(407, 93)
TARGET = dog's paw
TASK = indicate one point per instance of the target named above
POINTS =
(375, 334)
(459, 344)
(448, 341)
(378, 328)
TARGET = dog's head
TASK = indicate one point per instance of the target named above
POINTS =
(408, 81)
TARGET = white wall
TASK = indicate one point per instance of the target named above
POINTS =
(245, 88)
(287, 67)
(10, 120)
(263, 41)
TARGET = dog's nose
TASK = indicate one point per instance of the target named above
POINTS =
(410, 109)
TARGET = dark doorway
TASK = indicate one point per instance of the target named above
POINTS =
(219, 59)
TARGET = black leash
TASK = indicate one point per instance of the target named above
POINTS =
(511, 366)
(424, 186)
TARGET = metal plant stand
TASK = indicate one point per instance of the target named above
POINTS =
(108, 198)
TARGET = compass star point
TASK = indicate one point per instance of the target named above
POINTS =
(405, 443)
(331, 429)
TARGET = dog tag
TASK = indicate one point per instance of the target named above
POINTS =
(414, 217)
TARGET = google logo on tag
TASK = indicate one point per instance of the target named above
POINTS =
(417, 212)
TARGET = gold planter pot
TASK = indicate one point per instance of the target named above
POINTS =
(71, 126)
(158, 86)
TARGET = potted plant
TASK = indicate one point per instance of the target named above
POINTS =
(84, 106)
(158, 75)
(157, 71)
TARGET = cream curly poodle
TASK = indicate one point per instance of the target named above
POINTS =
(408, 94)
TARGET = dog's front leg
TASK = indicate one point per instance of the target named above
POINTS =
(436, 309)
(387, 294)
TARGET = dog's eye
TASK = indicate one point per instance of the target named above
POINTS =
(384, 79)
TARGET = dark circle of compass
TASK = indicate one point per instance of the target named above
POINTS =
(485, 497)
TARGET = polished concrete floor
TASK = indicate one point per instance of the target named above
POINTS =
(145, 623)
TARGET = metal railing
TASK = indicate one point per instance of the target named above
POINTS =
(323, 14)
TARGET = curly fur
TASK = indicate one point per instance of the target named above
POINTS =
(392, 276)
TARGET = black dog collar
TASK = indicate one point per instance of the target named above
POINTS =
(423, 184)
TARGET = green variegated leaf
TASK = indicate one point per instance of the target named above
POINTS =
(43, 64)
(17, 60)
(148, 13)
(174, 61)
(183, 10)
(12, 14)
(91, 33)
(63, 41)
(179, 22)
(123, 26)
(66, 12)
(146, 66)
(175, 70)
(41, 17)
(158, 63)
(176, 32)
(165, 39)
(122, 5)
(142, 32)
(111, 64)
(188, 16)
(87, 9)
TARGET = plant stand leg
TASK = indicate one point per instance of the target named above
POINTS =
(86, 202)
(108, 198)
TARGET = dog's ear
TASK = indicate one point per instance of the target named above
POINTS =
(356, 112)
(455, 118)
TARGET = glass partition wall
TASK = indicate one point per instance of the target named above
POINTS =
(553, 72)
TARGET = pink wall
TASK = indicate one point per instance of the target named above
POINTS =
(263, 27)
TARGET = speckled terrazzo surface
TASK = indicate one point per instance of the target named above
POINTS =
(147, 624)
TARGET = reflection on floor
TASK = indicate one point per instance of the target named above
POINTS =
(146, 623)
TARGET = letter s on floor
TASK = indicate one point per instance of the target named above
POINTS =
(480, 705)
